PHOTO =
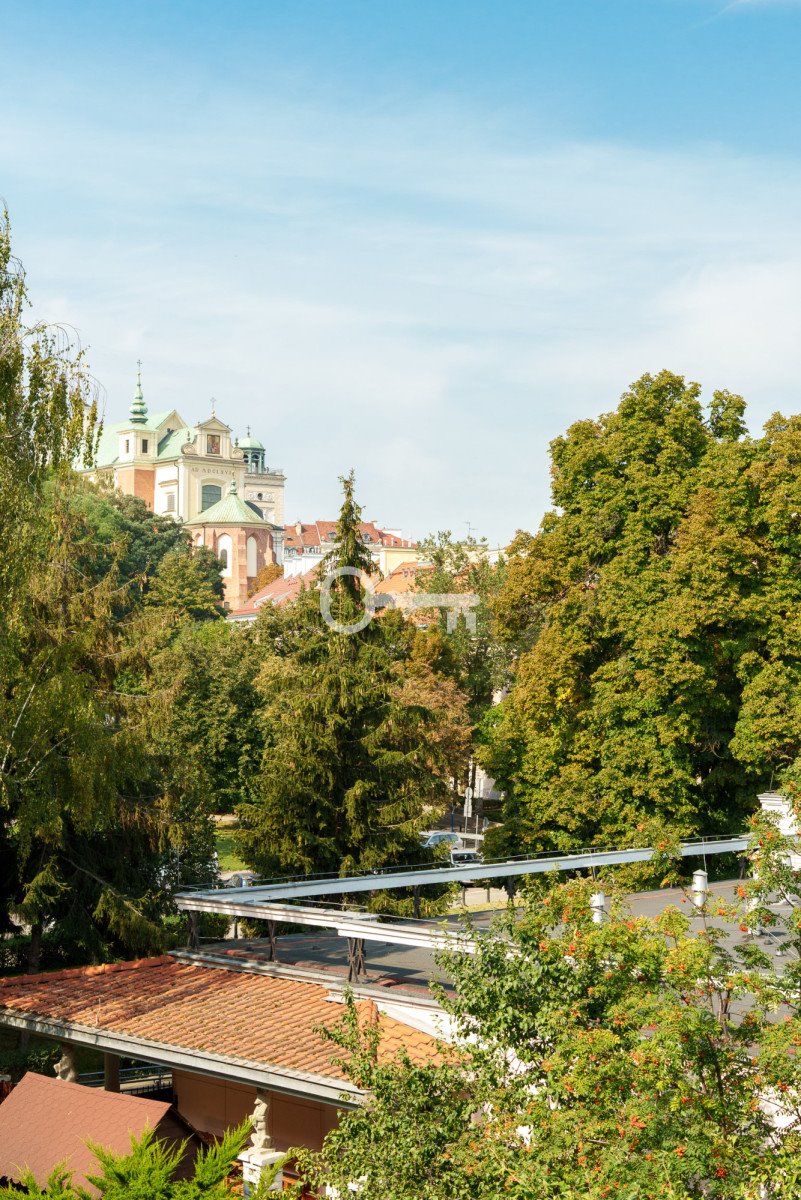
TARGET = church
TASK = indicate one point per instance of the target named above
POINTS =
(220, 488)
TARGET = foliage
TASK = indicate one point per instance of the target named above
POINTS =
(48, 418)
(41, 1059)
(657, 613)
(640, 1057)
(203, 717)
(268, 574)
(86, 818)
(131, 540)
(148, 1172)
(477, 661)
(83, 843)
(360, 732)
(189, 587)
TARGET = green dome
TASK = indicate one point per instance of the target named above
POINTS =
(250, 443)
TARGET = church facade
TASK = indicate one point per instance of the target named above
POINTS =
(219, 487)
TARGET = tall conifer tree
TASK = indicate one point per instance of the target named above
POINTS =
(355, 761)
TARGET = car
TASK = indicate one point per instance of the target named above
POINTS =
(440, 837)
(466, 858)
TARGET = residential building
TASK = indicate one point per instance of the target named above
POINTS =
(306, 545)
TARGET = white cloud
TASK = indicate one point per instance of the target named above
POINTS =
(415, 294)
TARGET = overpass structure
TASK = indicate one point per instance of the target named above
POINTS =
(276, 901)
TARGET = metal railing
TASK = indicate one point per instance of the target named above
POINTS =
(244, 900)
(136, 1081)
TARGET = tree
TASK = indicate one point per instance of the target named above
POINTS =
(267, 574)
(149, 1171)
(356, 758)
(48, 418)
(188, 586)
(639, 1057)
(131, 539)
(84, 837)
(205, 728)
(84, 840)
(655, 610)
(475, 659)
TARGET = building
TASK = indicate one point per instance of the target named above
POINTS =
(281, 591)
(222, 489)
(47, 1123)
(240, 1036)
(305, 546)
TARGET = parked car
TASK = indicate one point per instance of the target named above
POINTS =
(466, 858)
(440, 837)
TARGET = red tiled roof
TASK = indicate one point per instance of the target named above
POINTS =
(46, 1122)
(235, 1014)
(281, 591)
(318, 533)
(402, 579)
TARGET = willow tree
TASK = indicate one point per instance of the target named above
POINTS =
(78, 846)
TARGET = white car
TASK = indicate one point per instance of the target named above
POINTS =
(440, 837)
(466, 858)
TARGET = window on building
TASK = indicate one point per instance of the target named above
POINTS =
(127, 445)
(252, 557)
(211, 493)
(171, 502)
(144, 445)
(225, 553)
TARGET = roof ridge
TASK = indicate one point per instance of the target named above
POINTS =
(82, 972)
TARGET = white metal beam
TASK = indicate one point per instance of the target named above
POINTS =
(244, 901)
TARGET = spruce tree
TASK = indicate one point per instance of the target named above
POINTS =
(355, 762)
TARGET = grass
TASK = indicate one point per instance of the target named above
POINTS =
(227, 847)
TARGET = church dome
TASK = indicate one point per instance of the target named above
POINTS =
(250, 443)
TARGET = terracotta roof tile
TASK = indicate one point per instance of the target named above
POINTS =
(317, 533)
(263, 1019)
(46, 1121)
(281, 591)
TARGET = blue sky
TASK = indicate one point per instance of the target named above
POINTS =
(417, 239)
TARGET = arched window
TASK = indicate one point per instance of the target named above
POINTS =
(211, 493)
(224, 547)
(252, 549)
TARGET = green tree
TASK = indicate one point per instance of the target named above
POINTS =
(84, 843)
(48, 418)
(639, 1057)
(205, 728)
(131, 539)
(655, 610)
(148, 1172)
(356, 760)
(188, 586)
(84, 837)
(476, 659)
